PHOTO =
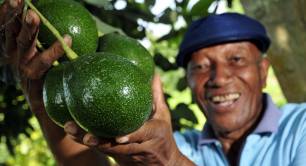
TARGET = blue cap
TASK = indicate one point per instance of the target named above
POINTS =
(222, 28)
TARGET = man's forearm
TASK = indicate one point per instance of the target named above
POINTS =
(65, 150)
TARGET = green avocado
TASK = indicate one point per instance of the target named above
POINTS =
(129, 48)
(53, 96)
(69, 17)
(107, 95)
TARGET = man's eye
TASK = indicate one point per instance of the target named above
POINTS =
(200, 68)
(197, 67)
(236, 59)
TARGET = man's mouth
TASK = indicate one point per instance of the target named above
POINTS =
(225, 99)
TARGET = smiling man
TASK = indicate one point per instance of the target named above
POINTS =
(226, 70)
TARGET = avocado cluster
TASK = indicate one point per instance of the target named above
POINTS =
(69, 17)
(108, 92)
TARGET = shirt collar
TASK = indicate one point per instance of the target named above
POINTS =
(268, 123)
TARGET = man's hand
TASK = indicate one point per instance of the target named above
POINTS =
(152, 144)
(18, 46)
(27, 62)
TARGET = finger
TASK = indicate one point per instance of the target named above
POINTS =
(103, 143)
(12, 24)
(26, 38)
(90, 140)
(74, 131)
(40, 64)
(124, 149)
(151, 129)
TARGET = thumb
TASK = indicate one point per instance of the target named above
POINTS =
(160, 108)
(151, 129)
(157, 89)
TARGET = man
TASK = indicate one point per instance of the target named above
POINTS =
(226, 71)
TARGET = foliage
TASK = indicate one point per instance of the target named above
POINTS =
(273, 88)
(197, 9)
(133, 20)
(14, 114)
(31, 150)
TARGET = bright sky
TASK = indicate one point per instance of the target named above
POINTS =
(160, 5)
(159, 30)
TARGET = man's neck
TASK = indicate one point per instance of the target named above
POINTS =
(229, 139)
(237, 136)
(232, 142)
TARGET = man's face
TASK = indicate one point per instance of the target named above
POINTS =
(227, 81)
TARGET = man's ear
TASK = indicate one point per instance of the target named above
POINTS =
(264, 69)
(189, 80)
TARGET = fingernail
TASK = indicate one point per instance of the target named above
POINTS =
(13, 3)
(122, 140)
(91, 141)
(28, 18)
(67, 38)
(70, 128)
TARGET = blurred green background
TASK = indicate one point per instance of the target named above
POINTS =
(158, 25)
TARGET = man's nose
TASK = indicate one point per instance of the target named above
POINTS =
(220, 76)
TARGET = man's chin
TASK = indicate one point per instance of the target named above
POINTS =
(224, 124)
(224, 128)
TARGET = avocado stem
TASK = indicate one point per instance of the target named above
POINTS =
(39, 45)
(69, 52)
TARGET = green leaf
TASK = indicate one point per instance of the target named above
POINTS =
(169, 16)
(229, 3)
(149, 3)
(163, 62)
(181, 84)
(201, 8)
(235, 6)
(98, 3)
(183, 111)
(104, 28)
(173, 35)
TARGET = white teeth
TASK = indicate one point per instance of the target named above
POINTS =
(226, 103)
(226, 98)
